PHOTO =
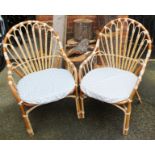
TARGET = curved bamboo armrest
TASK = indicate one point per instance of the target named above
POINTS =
(87, 65)
(12, 84)
(139, 72)
(70, 67)
(140, 65)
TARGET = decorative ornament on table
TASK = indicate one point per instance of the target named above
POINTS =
(81, 48)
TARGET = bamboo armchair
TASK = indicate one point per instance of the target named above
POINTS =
(124, 45)
(30, 47)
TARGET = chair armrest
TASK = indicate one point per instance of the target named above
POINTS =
(71, 67)
(139, 72)
(12, 85)
(86, 66)
(139, 67)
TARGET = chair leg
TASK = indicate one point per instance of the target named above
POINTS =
(82, 107)
(79, 108)
(127, 119)
(28, 125)
(79, 104)
(139, 97)
(27, 121)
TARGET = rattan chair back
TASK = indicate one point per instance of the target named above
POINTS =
(124, 43)
(32, 46)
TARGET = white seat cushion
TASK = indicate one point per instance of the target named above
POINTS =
(46, 86)
(108, 84)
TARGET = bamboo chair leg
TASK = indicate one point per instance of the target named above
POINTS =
(127, 119)
(139, 97)
(28, 125)
(27, 121)
(82, 113)
(77, 107)
(77, 102)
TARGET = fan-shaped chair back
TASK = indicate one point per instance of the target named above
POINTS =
(124, 43)
(32, 46)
